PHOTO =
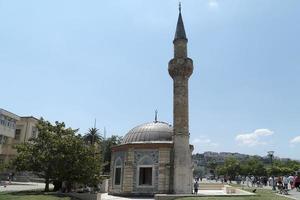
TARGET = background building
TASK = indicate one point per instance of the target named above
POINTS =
(14, 130)
(7, 132)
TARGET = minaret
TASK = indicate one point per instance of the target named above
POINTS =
(180, 69)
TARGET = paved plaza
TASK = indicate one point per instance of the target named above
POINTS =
(21, 186)
(295, 194)
(110, 197)
(27, 186)
(292, 193)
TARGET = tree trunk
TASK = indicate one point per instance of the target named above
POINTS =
(47, 185)
(57, 185)
(69, 186)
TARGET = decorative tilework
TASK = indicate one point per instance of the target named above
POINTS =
(153, 156)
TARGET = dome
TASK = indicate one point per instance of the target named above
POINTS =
(148, 132)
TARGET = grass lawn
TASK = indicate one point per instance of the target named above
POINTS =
(30, 196)
(261, 194)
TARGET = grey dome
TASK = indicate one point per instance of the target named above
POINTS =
(148, 132)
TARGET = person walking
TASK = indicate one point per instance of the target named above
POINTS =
(296, 183)
(285, 182)
(196, 186)
(252, 181)
(271, 182)
(291, 180)
(248, 180)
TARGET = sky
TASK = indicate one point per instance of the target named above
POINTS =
(77, 61)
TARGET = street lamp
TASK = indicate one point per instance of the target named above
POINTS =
(271, 155)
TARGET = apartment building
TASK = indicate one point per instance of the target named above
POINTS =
(14, 130)
(8, 122)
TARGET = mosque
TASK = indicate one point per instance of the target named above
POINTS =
(155, 157)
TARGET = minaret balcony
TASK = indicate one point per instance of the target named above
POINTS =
(182, 67)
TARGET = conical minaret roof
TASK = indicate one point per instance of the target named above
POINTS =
(180, 32)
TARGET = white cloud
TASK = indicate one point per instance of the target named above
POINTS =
(254, 138)
(203, 141)
(295, 140)
(213, 3)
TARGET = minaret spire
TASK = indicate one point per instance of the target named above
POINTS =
(95, 122)
(180, 32)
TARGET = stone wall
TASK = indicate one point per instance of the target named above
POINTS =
(160, 159)
(164, 170)
(113, 188)
(128, 172)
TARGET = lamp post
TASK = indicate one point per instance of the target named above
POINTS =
(271, 155)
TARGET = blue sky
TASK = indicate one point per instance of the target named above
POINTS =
(75, 61)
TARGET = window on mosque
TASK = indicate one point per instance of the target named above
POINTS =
(118, 176)
(118, 171)
(145, 176)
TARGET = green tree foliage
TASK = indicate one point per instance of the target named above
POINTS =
(255, 166)
(199, 171)
(93, 136)
(231, 168)
(221, 170)
(107, 145)
(58, 154)
(212, 165)
(293, 165)
(280, 167)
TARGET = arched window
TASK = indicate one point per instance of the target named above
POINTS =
(118, 171)
(145, 171)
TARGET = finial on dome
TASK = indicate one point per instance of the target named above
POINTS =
(155, 118)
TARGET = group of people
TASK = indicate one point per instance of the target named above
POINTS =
(292, 181)
(281, 182)
(285, 182)
(252, 181)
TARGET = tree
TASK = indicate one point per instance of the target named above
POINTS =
(212, 165)
(93, 136)
(283, 167)
(198, 171)
(107, 145)
(38, 155)
(78, 163)
(253, 166)
(230, 168)
(57, 155)
(220, 170)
